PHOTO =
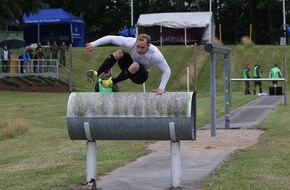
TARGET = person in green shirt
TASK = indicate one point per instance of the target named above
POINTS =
(246, 74)
(257, 74)
(275, 73)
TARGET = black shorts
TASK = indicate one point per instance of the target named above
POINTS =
(140, 76)
(257, 83)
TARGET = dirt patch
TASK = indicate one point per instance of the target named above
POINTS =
(225, 139)
(57, 87)
(77, 187)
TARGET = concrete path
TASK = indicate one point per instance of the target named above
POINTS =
(153, 171)
(250, 114)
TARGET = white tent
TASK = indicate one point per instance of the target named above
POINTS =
(190, 25)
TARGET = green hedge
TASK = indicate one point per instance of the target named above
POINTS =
(24, 80)
(47, 81)
(9, 82)
(62, 82)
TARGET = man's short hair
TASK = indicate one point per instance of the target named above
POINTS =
(142, 37)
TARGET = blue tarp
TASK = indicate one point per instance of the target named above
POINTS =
(54, 25)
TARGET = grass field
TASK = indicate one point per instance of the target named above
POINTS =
(43, 157)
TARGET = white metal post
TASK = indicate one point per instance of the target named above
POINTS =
(175, 164)
(91, 165)
(210, 10)
(284, 24)
(187, 78)
(132, 14)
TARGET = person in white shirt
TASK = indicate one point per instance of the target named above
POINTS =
(134, 66)
(5, 59)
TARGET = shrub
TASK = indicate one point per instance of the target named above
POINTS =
(50, 83)
(33, 78)
(42, 83)
(52, 79)
(62, 82)
(12, 127)
(9, 82)
(246, 41)
(24, 80)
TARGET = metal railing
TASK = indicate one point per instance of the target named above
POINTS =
(37, 67)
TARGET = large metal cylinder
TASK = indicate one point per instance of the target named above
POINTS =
(131, 116)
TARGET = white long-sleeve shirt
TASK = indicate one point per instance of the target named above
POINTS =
(151, 58)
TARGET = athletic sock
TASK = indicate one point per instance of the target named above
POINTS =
(122, 76)
(108, 63)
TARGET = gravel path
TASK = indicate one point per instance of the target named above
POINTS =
(225, 140)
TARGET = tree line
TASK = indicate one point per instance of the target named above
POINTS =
(234, 18)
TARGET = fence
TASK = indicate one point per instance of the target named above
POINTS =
(37, 67)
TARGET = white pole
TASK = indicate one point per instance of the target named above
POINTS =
(175, 164)
(144, 87)
(91, 165)
(132, 14)
(210, 21)
(284, 24)
(187, 78)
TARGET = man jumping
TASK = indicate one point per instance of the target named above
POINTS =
(134, 66)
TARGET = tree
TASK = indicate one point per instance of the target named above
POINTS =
(236, 17)
(103, 17)
(12, 10)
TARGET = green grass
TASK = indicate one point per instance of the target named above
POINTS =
(45, 158)
(264, 166)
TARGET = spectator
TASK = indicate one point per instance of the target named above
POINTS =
(38, 46)
(275, 73)
(47, 52)
(31, 55)
(39, 63)
(124, 31)
(54, 50)
(132, 32)
(247, 76)
(24, 57)
(6, 53)
(30, 63)
(63, 49)
(257, 74)
(120, 32)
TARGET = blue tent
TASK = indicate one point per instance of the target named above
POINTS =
(54, 25)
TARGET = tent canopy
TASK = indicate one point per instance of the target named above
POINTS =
(201, 21)
(54, 25)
